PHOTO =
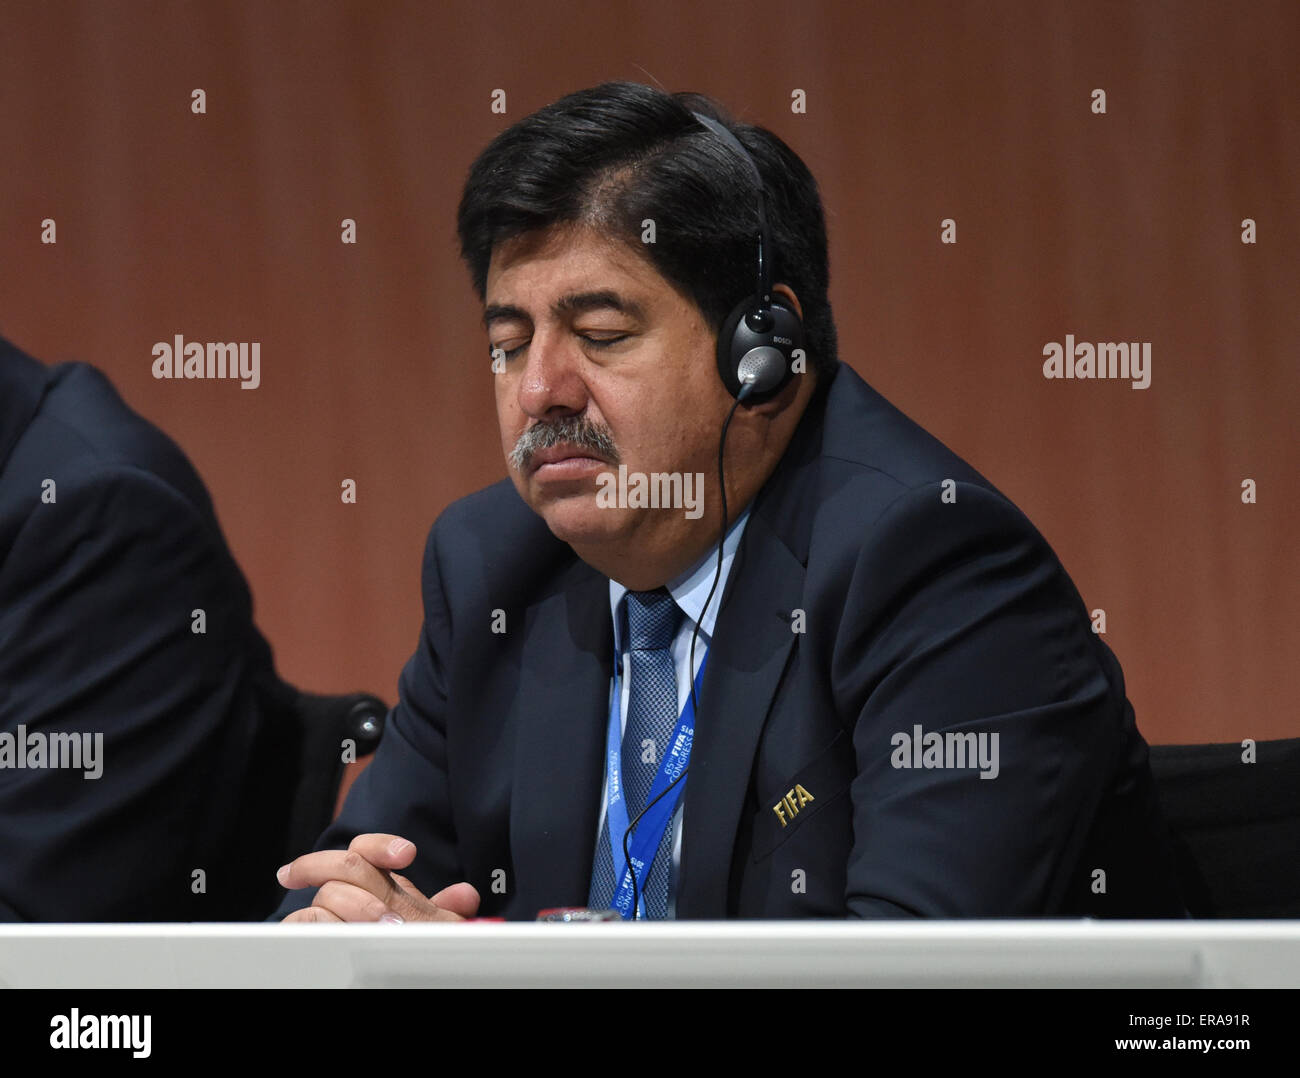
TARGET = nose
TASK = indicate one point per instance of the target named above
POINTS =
(551, 381)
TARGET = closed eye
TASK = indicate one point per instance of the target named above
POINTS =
(598, 342)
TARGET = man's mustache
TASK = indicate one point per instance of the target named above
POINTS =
(575, 430)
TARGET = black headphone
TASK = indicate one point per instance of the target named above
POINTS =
(757, 342)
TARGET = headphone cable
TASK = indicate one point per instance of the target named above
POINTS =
(745, 391)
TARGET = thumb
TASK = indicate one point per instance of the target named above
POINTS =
(461, 899)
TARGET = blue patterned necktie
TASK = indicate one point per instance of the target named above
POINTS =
(653, 618)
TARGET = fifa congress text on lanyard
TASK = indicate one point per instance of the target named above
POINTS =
(646, 837)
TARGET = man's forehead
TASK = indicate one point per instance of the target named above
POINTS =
(569, 303)
(569, 261)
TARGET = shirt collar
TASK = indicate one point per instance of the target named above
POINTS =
(691, 588)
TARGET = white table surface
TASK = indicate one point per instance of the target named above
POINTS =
(1127, 954)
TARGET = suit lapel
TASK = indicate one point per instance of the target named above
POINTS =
(559, 718)
(751, 643)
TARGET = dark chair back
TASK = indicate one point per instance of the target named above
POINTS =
(1235, 826)
(324, 725)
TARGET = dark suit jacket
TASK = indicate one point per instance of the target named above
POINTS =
(953, 616)
(97, 589)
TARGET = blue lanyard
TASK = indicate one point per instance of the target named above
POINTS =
(646, 837)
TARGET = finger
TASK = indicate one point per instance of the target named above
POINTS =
(348, 866)
(310, 915)
(406, 886)
(462, 899)
(353, 904)
(384, 851)
(408, 902)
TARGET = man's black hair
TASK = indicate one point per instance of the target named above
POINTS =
(620, 153)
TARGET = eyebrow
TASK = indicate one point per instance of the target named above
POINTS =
(573, 303)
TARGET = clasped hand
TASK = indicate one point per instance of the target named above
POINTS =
(359, 885)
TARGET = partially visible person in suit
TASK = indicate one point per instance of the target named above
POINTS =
(136, 773)
(904, 710)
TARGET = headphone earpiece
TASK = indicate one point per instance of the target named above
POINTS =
(756, 346)
(757, 342)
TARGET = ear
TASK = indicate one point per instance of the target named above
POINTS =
(790, 298)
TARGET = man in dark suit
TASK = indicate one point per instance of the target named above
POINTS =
(903, 710)
(136, 695)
